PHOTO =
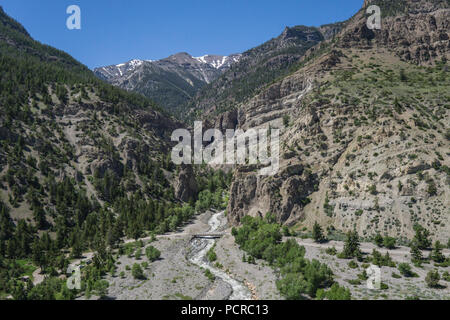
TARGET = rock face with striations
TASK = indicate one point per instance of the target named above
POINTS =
(185, 185)
(364, 130)
(417, 31)
(284, 195)
(329, 31)
(256, 68)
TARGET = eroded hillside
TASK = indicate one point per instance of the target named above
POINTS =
(365, 131)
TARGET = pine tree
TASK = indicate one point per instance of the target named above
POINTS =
(421, 237)
(77, 250)
(318, 233)
(379, 240)
(436, 253)
(416, 253)
(432, 279)
(39, 218)
(351, 246)
(38, 255)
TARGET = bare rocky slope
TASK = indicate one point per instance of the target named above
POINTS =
(365, 130)
(257, 68)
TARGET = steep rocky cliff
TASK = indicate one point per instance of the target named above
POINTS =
(185, 185)
(416, 31)
(256, 68)
(365, 130)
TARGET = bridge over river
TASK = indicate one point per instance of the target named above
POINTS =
(207, 235)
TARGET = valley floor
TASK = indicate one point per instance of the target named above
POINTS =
(175, 276)
(398, 288)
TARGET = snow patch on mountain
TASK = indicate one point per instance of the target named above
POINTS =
(218, 62)
(119, 70)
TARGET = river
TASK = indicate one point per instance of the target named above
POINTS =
(200, 248)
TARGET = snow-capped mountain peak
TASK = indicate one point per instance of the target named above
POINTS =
(133, 63)
(118, 70)
(218, 62)
(156, 79)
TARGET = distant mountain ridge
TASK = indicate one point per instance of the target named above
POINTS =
(172, 81)
(187, 85)
(257, 68)
(115, 71)
(219, 62)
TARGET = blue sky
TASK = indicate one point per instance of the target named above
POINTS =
(115, 31)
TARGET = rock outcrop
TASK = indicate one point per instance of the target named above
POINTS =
(417, 31)
(364, 133)
(285, 195)
(185, 185)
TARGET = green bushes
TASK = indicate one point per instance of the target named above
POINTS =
(372, 189)
(432, 279)
(378, 240)
(299, 277)
(138, 254)
(380, 260)
(354, 282)
(363, 275)
(212, 194)
(49, 289)
(209, 275)
(286, 120)
(406, 270)
(328, 208)
(259, 238)
(304, 277)
(446, 276)
(384, 286)
(331, 251)
(211, 255)
(293, 286)
(336, 292)
(137, 272)
(207, 200)
(387, 242)
(416, 254)
(152, 253)
(436, 254)
(431, 188)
